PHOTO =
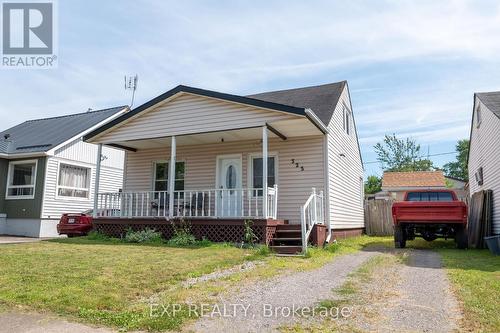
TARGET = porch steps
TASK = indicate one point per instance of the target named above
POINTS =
(287, 240)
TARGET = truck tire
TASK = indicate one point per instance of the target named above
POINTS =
(399, 237)
(461, 238)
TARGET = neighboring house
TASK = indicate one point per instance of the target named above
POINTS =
(457, 185)
(484, 153)
(46, 170)
(395, 184)
(218, 143)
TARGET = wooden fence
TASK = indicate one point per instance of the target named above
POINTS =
(378, 217)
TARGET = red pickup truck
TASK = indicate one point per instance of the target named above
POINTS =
(430, 214)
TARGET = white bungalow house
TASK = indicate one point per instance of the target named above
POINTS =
(277, 158)
(47, 170)
(484, 152)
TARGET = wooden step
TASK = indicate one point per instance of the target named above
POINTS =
(287, 241)
(281, 227)
(287, 249)
(298, 239)
(288, 234)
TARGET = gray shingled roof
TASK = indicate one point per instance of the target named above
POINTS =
(491, 100)
(321, 99)
(41, 135)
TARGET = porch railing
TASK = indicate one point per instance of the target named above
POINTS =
(312, 212)
(209, 203)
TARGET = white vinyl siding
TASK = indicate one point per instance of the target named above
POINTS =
(187, 114)
(81, 154)
(485, 153)
(200, 168)
(345, 169)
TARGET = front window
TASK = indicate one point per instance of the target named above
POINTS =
(161, 176)
(257, 176)
(21, 180)
(74, 181)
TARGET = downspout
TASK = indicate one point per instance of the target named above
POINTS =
(327, 186)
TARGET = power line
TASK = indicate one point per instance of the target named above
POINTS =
(431, 155)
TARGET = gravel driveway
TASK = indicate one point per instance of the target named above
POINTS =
(425, 302)
(304, 289)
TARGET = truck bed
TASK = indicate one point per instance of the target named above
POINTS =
(429, 212)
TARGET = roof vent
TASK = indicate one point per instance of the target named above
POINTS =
(89, 110)
(6, 136)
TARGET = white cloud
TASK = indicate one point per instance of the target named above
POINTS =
(244, 47)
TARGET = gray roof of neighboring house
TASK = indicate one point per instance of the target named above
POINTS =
(491, 100)
(41, 135)
(321, 99)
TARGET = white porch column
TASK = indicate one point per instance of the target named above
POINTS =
(264, 170)
(171, 179)
(97, 178)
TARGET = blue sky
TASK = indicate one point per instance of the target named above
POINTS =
(412, 66)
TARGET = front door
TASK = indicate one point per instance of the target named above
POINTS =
(229, 193)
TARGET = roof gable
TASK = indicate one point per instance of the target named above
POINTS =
(320, 99)
(187, 113)
(41, 135)
(201, 92)
(491, 100)
(413, 179)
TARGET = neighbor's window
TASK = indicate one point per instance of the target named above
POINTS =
(161, 176)
(256, 172)
(347, 119)
(21, 180)
(74, 181)
(478, 116)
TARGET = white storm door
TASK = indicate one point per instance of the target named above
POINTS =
(229, 194)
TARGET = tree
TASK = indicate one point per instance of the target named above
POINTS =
(373, 185)
(401, 155)
(458, 168)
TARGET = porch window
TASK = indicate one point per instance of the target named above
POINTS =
(256, 173)
(161, 176)
(74, 181)
(21, 179)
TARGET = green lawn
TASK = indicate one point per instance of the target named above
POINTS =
(108, 282)
(475, 275)
(102, 283)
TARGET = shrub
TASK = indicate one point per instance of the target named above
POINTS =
(182, 234)
(142, 236)
(97, 236)
(249, 237)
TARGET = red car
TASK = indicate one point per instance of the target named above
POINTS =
(430, 214)
(75, 224)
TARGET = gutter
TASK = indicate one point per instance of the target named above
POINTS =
(22, 155)
(316, 121)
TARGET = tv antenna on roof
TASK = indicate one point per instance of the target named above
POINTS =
(131, 84)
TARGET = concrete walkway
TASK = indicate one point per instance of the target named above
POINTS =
(17, 239)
